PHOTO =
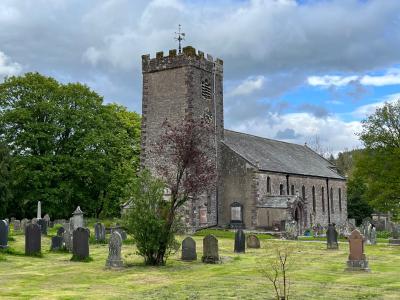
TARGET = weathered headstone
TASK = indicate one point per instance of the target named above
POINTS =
(372, 238)
(43, 226)
(80, 242)
(210, 250)
(3, 234)
(60, 231)
(240, 242)
(253, 241)
(17, 225)
(47, 219)
(39, 210)
(33, 239)
(68, 240)
(57, 243)
(189, 249)
(395, 239)
(77, 218)
(34, 220)
(24, 223)
(99, 232)
(357, 259)
(114, 251)
(332, 237)
(291, 230)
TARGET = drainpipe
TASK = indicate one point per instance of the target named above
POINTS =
(327, 193)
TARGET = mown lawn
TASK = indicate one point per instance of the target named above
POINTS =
(316, 274)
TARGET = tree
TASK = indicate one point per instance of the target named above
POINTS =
(185, 168)
(5, 190)
(357, 205)
(379, 166)
(66, 147)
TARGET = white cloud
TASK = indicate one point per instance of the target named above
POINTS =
(248, 86)
(368, 109)
(8, 67)
(392, 77)
(330, 80)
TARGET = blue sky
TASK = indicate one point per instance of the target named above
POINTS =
(293, 70)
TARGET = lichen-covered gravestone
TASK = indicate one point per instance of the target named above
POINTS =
(210, 250)
(3, 234)
(80, 244)
(240, 242)
(357, 259)
(68, 239)
(114, 251)
(372, 236)
(57, 243)
(189, 249)
(253, 241)
(43, 226)
(332, 237)
(99, 232)
(33, 239)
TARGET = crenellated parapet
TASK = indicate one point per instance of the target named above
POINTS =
(189, 56)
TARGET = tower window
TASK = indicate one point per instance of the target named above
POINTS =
(281, 189)
(340, 199)
(331, 196)
(303, 192)
(292, 189)
(268, 185)
(313, 198)
(206, 90)
(323, 199)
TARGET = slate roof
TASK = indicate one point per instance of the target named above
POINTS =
(278, 156)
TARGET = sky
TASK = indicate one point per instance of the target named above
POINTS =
(293, 70)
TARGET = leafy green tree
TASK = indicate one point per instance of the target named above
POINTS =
(357, 205)
(5, 191)
(67, 148)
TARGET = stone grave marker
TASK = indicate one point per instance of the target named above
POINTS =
(210, 250)
(395, 239)
(114, 251)
(60, 231)
(47, 219)
(80, 243)
(240, 242)
(357, 260)
(17, 225)
(43, 226)
(99, 232)
(57, 242)
(68, 240)
(253, 241)
(372, 238)
(24, 223)
(77, 218)
(3, 234)
(189, 249)
(332, 237)
(33, 239)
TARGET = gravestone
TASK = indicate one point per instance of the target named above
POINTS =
(60, 231)
(33, 239)
(189, 249)
(39, 210)
(114, 251)
(34, 220)
(57, 243)
(47, 219)
(80, 243)
(357, 259)
(291, 232)
(3, 234)
(43, 226)
(77, 218)
(395, 239)
(24, 223)
(372, 238)
(332, 237)
(253, 241)
(68, 240)
(210, 250)
(99, 232)
(240, 242)
(17, 225)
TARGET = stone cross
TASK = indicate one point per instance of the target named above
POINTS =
(99, 232)
(189, 249)
(240, 242)
(33, 239)
(114, 251)
(332, 237)
(3, 234)
(39, 210)
(357, 260)
(210, 250)
(253, 241)
(80, 243)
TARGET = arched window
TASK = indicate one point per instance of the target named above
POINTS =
(331, 196)
(236, 213)
(323, 199)
(340, 199)
(303, 192)
(281, 189)
(268, 185)
(292, 189)
(313, 199)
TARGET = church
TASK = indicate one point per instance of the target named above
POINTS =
(262, 184)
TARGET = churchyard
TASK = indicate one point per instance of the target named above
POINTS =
(315, 272)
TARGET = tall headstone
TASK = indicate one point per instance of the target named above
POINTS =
(395, 239)
(332, 237)
(17, 225)
(210, 250)
(68, 240)
(372, 238)
(43, 226)
(24, 223)
(57, 243)
(253, 241)
(39, 210)
(357, 259)
(189, 249)
(3, 234)
(47, 219)
(33, 239)
(80, 243)
(240, 242)
(77, 218)
(114, 251)
(99, 232)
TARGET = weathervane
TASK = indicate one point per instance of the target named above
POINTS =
(179, 36)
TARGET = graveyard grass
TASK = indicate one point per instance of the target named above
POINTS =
(316, 274)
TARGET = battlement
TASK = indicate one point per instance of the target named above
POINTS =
(189, 56)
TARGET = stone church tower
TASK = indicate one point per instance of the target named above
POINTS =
(175, 86)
